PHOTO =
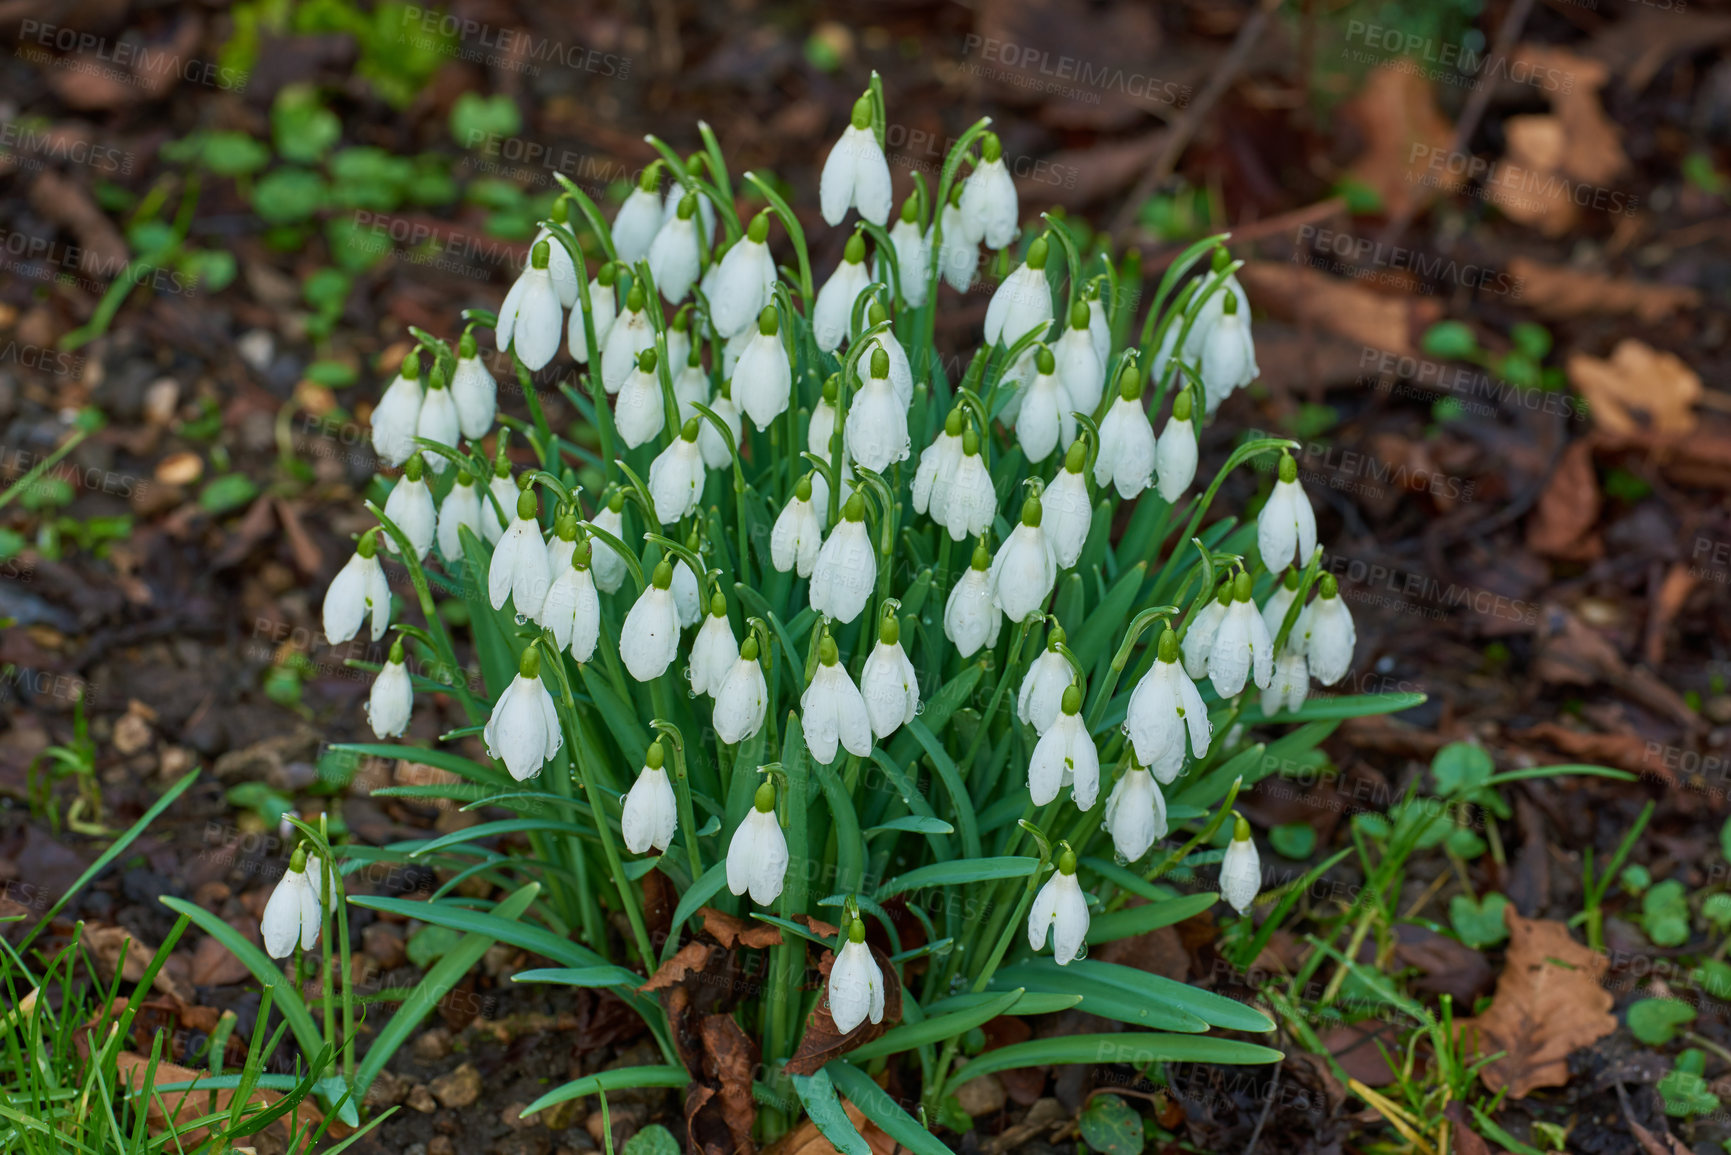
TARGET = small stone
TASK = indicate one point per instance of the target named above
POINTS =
(387, 1090)
(512, 1117)
(160, 398)
(441, 1145)
(459, 1088)
(256, 348)
(384, 944)
(432, 1044)
(179, 468)
(131, 733)
(980, 1097)
(420, 1099)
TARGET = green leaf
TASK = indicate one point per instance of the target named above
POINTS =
(477, 119)
(1105, 622)
(908, 1036)
(1656, 1021)
(1135, 1048)
(1451, 339)
(496, 829)
(959, 873)
(1111, 1127)
(601, 976)
(284, 996)
(1134, 920)
(818, 1095)
(302, 127)
(619, 1079)
(913, 823)
(1294, 840)
(233, 154)
(1479, 922)
(1335, 709)
(354, 246)
(431, 943)
(652, 1140)
(882, 1109)
(1461, 767)
(438, 759)
(288, 196)
(227, 493)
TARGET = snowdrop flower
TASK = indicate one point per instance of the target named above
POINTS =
(559, 265)
(1274, 609)
(679, 348)
(713, 651)
(1212, 309)
(608, 565)
(856, 173)
(524, 731)
(1042, 692)
(649, 641)
(1242, 647)
(833, 313)
(1100, 332)
(673, 255)
(757, 855)
(1024, 571)
(499, 500)
(1241, 869)
(1228, 361)
(1290, 685)
(1135, 814)
(710, 443)
(742, 699)
(687, 599)
(1080, 369)
(1164, 705)
(971, 616)
(1327, 631)
(359, 588)
(888, 682)
(676, 475)
(1060, 909)
(572, 609)
(1065, 756)
(462, 506)
(392, 697)
(1126, 457)
(474, 393)
(519, 569)
(640, 413)
(1175, 452)
(798, 533)
(989, 208)
(763, 379)
(676, 195)
(1022, 302)
(1046, 417)
(856, 983)
(627, 338)
(561, 546)
(846, 568)
(651, 811)
(295, 912)
(410, 509)
(832, 710)
(691, 385)
(965, 502)
(603, 310)
(639, 217)
(744, 281)
(1072, 515)
(1286, 527)
(958, 251)
(398, 413)
(913, 255)
(876, 436)
(531, 320)
(1199, 637)
(437, 422)
(820, 430)
(901, 372)
(939, 459)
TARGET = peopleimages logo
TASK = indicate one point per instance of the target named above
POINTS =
(31, 146)
(1425, 266)
(511, 48)
(136, 59)
(1021, 59)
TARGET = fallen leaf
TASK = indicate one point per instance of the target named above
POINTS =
(731, 932)
(691, 959)
(1465, 1141)
(1556, 164)
(731, 1057)
(1525, 185)
(1548, 1004)
(1397, 115)
(214, 965)
(1362, 315)
(1354, 1047)
(1564, 293)
(106, 945)
(823, 1041)
(806, 1139)
(1680, 581)
(1639, 388)
(1593, 151)
(1623, 751)
(1562, 523)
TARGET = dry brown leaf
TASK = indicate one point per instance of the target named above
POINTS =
(1639, 389)
(1564, 293)
(1594, 153)
(106, 944)
(823, 1042)
(690, 960)
(730, 931)
(184, 1106)
(1466, 1141)
(1525, 184)
(1310, 296)
(1624, 751)
(1396, 113)
(806, 1139)
(214, 965)
(731, 1057)
(1562, 523)
(1548, 1005)
(1557, 164)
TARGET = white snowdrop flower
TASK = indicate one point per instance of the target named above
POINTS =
(410, 508)
(757, 854)
(437, 421)
(831, 710)
(1241, 869)
(913, 255)
(1175, 453)
(1164, 707)
(1015, 382)
(640, 414)
(603, 311)
(1022, 302)
(1163, 355)
(1214, 307)
(833, 313)
(971, 615)
(1286, 527)
(1290, 685)
(742, 699)
(735, 348)
(398, 413)
(462, 506)
(1024, 571)
(1274, 609)
(713, 651)
(561, 547)
(1045, 420)
(744, 281)
(1065, 756)
(627, 338)
(763, 380)
(690, 386)
(1100, 332)
(1328, 634)
(1061, 910)
(499, 500)
(676, 475)
(559, 265)
(608, 565)
(639, 218)
(1242, 647)
(1198, 641)
(1135, 814)
(797, 536)
(958, 252)
(572, 609)
(901, 372)
(359, 589)
(1080, 369)
(1126, 456)
(856, 983)
(295, 911)
(673, 255)
(876, 436)
(820, 430)
(856, 174)
(679, 347)
(1042, 692)
(519, 568)
(531, 320)
(1066, 499)
(989, 208)
(474, 393)
(846, 568)
(392, 698)
(524, 730)
(888, 682)
(650, 814)
(687, 598)
(649, 640)
(1228, 362)
(710, 443)
(676, 195)
(939, 460)
(965, 502)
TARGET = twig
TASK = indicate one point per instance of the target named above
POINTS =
(1273, 1090)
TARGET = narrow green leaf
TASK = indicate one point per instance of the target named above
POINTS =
(1135, 1048)
(1149, 916)
(882, 1109)
(620, 1079)
(263, 968)
(937, 1028)
(959, 873)
(601, 976)
(818, 1095)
